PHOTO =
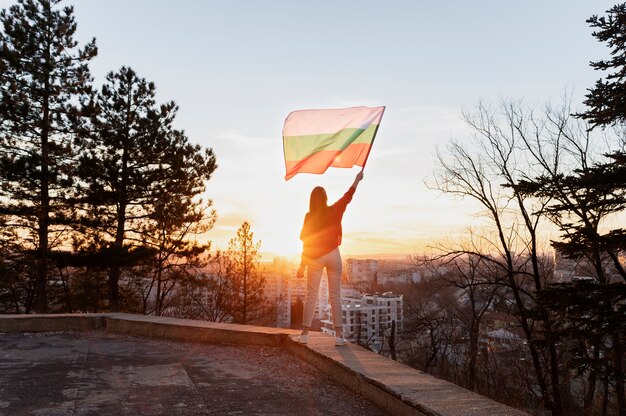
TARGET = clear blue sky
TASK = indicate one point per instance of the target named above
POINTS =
(237, 68)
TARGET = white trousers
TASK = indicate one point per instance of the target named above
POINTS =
(332, 262)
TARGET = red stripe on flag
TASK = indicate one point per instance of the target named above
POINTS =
(354, 154)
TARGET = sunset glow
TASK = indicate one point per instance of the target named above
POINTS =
(423, 194)
(237, 72)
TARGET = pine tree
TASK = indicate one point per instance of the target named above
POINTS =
(605, 101)
(177, 218)
(589, 320)
(242, 264)
(579, 203)
(140, 177)
(42, 73)
(606, 106)
(588, 317)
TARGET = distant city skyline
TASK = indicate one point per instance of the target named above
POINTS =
(236, 69)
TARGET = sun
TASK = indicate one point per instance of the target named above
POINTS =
(281, 242)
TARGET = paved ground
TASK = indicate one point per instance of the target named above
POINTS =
(96, 373)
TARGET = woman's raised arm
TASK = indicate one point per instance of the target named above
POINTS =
(359, 178)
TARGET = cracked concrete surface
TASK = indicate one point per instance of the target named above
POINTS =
(97, 373)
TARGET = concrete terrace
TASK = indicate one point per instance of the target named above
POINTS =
(99, 373)
(96, 364)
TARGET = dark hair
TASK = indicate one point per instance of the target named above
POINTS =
(319, 200)
(318, 208)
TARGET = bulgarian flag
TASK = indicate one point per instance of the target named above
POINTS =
(314, 140)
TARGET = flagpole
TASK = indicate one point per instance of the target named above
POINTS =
(373, 138)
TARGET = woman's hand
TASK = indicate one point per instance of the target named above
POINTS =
(359, 178)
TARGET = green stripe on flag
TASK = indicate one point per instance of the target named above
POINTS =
(301, 147)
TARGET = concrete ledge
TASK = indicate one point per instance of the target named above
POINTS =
(395, 387)
(196, 331)
(48, 323)
(148, 326)
(398, 388)
(386, 398)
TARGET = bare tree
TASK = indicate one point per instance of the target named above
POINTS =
(509, 145)
(476, 296)
(428, 329)
(209, 296)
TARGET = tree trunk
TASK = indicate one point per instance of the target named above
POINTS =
(473, 355)
(113, 285)
(619, 373)
(115, 270)
(245, 283)
(118, 246)
(591, 391)
(159, 303)
(556, 406)
(552, 405)
(392, 341)
(41, 296)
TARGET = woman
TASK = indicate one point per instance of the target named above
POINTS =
(321, 237)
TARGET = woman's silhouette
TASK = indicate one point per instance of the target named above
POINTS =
(321, 237)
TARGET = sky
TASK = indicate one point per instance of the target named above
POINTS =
(237, 68)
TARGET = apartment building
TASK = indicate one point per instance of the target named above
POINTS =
(368, 318)
(360, 272)
(398, 277)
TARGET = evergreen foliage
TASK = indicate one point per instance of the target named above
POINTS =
(606, 101)
(140, 180)
(579, 203)
(43, 74)
(588, 317)
(588, 320)
(242, 265)
(93, 183)
(585, 313)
